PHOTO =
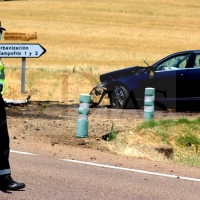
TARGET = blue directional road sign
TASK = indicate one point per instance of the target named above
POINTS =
(21, 50)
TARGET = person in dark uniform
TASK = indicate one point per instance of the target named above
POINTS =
(6, 181)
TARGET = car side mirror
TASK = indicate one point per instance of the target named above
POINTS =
(151, 74)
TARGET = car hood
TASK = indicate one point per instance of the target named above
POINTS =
(122, 72)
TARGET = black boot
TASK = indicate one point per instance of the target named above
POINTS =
(9, 184)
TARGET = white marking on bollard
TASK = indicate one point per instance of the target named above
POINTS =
(149, 98)
(148, 108)
(84, 105)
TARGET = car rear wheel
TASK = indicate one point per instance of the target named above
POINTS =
(118, 97)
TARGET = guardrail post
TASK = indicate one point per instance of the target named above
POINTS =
(82, 122)
(149, 103)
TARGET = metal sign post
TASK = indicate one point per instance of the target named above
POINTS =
(21, 51)
(23, 75)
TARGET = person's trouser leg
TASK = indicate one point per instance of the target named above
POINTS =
(4, 143)
(6, 181)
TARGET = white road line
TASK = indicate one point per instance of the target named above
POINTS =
(21, 152)
(132, 170)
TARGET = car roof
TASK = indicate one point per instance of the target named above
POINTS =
(181, 52)
(187, 51)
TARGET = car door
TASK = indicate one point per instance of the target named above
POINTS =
(193, 78)
(169, 78)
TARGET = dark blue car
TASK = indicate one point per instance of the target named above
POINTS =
(176, 79)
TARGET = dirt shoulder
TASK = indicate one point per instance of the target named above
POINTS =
(46, 128)
(55, 124)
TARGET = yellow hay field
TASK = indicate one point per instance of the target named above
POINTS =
(96, 36)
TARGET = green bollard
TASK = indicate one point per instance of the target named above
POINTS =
(149, 103)
(85, 98)
(82, 122)
(82, 128)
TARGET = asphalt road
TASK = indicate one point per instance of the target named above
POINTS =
(54, 178)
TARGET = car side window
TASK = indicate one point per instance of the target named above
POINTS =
(174, 63)
(197, 61)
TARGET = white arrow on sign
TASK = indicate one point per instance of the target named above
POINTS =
(21, 50)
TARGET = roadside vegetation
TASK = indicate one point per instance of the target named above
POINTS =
(43, 84)
(144, 140)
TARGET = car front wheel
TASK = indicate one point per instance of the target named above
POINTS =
(118, 97)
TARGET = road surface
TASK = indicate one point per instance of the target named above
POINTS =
(79, 176)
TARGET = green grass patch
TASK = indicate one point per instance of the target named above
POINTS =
(182, 134)
(188, 140)
(168, 123)
(112, 133)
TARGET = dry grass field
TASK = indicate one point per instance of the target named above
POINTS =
(91, 37)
